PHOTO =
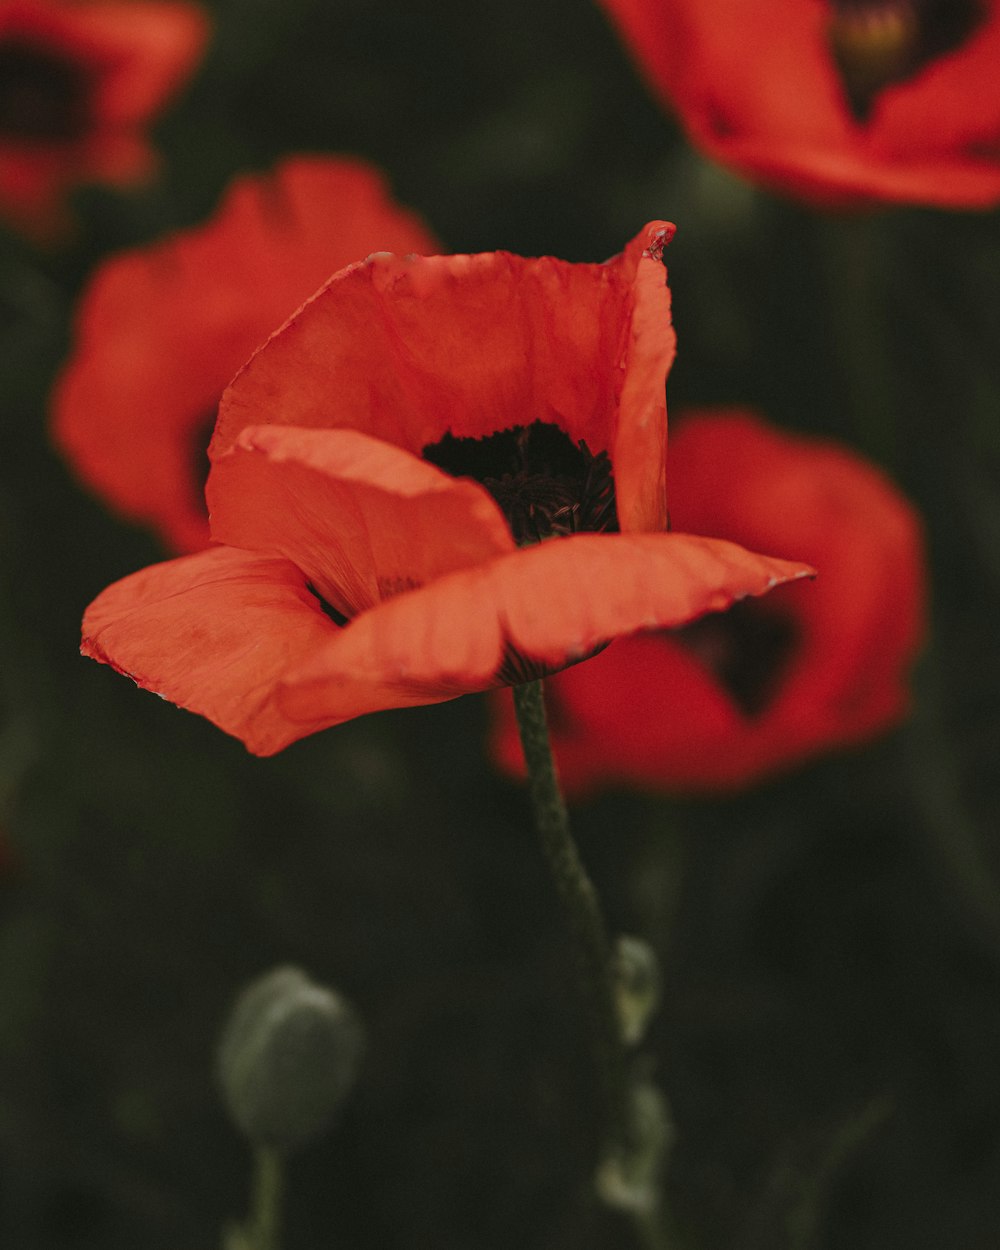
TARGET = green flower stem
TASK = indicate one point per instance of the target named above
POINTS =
(268, 1193)
(581, 910)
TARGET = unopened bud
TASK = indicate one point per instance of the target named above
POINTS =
(287, 1059)
(636, 973)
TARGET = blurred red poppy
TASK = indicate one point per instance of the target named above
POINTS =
(833, 101)
(743, 694)
(404, 476)
(162, 329)
(78, 84)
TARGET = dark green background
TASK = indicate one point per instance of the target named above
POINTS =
(830, 1039)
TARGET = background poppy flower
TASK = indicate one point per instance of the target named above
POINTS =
(161, 330)
(78, 82)
(423, 418)
(833, 102)
(739, 695)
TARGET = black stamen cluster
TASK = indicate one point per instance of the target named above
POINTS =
(546, 486)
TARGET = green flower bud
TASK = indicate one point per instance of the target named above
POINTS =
(636, 973)
(287, 1059)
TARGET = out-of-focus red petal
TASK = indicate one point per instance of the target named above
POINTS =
(951, 108)
(31, 187)
(409, 349)
(149, 48)
(643, 712)
(757, 485)
(215, 633)
(134, 56)
(161, 330)
(756, 86)
(775, 50)
(845, 177)
(361, 518)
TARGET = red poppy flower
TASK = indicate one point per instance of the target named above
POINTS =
(78, 82)
(745, 693)
(833, 101)
(404, 475)
(162, 329)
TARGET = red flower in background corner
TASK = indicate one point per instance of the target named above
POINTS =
(162, 329)
(78, 83)
(418, 482)
(745, 693)
(833, 101)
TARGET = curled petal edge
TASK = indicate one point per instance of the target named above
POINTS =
(535, 611)
(240, 638)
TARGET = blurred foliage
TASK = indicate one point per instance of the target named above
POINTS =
(830, 1035)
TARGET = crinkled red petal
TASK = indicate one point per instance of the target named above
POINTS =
(361, 518)
(239, 638)
(215, 633)
(409, 349)
(540, 608)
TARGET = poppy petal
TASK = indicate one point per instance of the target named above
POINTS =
(240, 639)
(756, 85)
(640, 449)
(214, 633)
(550, 605)
(149, 48)
(408, 349)
(865, 618)
(361, 518)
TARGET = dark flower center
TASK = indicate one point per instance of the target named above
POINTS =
(747, 650)
(879, 42)
(43, 96)
(545, 484)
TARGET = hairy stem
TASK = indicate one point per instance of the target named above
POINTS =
(581, 910)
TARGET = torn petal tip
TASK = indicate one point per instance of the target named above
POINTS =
(658, 235)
